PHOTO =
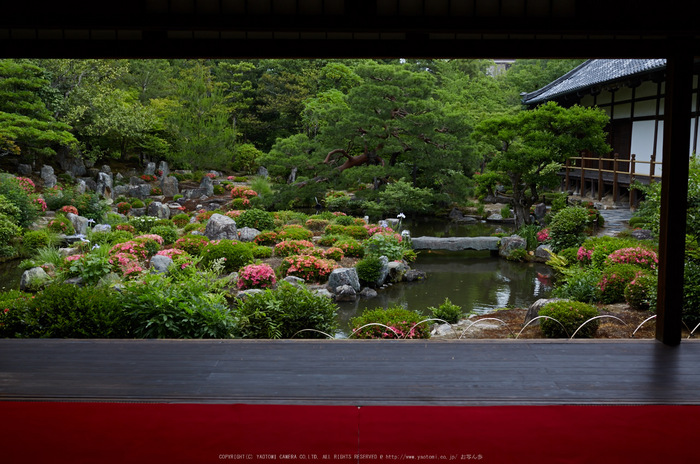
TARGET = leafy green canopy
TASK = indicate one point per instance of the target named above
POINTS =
(531, 146)
(26, 124)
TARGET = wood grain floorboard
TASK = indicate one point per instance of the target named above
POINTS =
(485, 372)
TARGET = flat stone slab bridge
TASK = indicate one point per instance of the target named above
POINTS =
(456, 243)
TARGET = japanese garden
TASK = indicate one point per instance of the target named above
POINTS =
(298, 199)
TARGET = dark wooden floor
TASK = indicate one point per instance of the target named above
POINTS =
(334, 372)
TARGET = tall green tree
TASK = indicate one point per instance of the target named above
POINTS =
(531, 146)
(26, 124)
(197, 119)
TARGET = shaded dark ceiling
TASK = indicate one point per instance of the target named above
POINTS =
(347, 28)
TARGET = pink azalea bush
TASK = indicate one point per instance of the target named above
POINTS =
(172, 253)
(132, 247)
(69, 209)
(26, 184)
(41, 204)
(543, 235)
(291, 247)
(256, 276)
(192, 244)
(334, 253)
(638, 256)
(127, 263)
(309, 268)
(584, 254)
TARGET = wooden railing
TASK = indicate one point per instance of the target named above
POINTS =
(614, 166)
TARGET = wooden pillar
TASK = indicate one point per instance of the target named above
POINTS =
(633, 192)
(674, 191)
(600, 178)
(615, 186)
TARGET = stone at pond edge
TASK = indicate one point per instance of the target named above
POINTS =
(221, 227)
(397, 271)
(33, 279)
(323, 292)
(541, 253)
(642, 234)
(368, 293)
(414, 274)
(534, 310)
(344, 276)
(345, 293)
(384, 272)
(510, 244)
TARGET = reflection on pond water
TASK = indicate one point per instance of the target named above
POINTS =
(475, 281)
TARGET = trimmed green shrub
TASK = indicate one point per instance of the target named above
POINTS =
(580, 286)
(267, 238)
(613, 281)
(294, 232)
(160, 306)
(344, 220)
(192, 244)
(640, 293)
(181, 220)
(284, 312)
(330, 240)
(8, 232)
(400, 322)
(447, 311)
(567, 227)
(351, 247)
(10, 210)
(334, 253)
(91, 206)
(369, 269)
(198, 226)
(68, 311)
(262, 252)
(136, 203)
(168, 233)
(256, 218)
(235, 254)
(15, 314)
(316, 224)
(571, 314)
(14, 194)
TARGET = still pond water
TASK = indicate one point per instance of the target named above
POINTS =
(474, 280)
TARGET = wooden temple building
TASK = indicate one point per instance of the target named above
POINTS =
(631, 92)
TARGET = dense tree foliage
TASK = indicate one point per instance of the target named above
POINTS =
(343, 124)
(530, 147)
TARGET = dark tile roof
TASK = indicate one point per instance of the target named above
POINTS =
(590, 73)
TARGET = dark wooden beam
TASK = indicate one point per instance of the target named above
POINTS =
(674, 192)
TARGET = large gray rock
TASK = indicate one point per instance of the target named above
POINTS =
(160, 264)
(105, 184)
(534, 310)
(74, 166)
(164, 169)
(415, 274)
(368, 293)
(80, 224)
(195, 193)
(221, 227)
(247, 234)
(90, 183)
(397, 271)
(140, 191)
(80, 186)
(159, 210)
(170, 186)
(541, 253)
(150, 169)
(510, 244)
(207, 185)
(262, 172)
(294, 280)
(384, 272)
(344, 276)
(102, 228)
(175, 208)
(642, 234)
(121, 190)
(48, 176)
(135, 180)
(455, 243)
(33, 279)
(345, 293)
(24, 170)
